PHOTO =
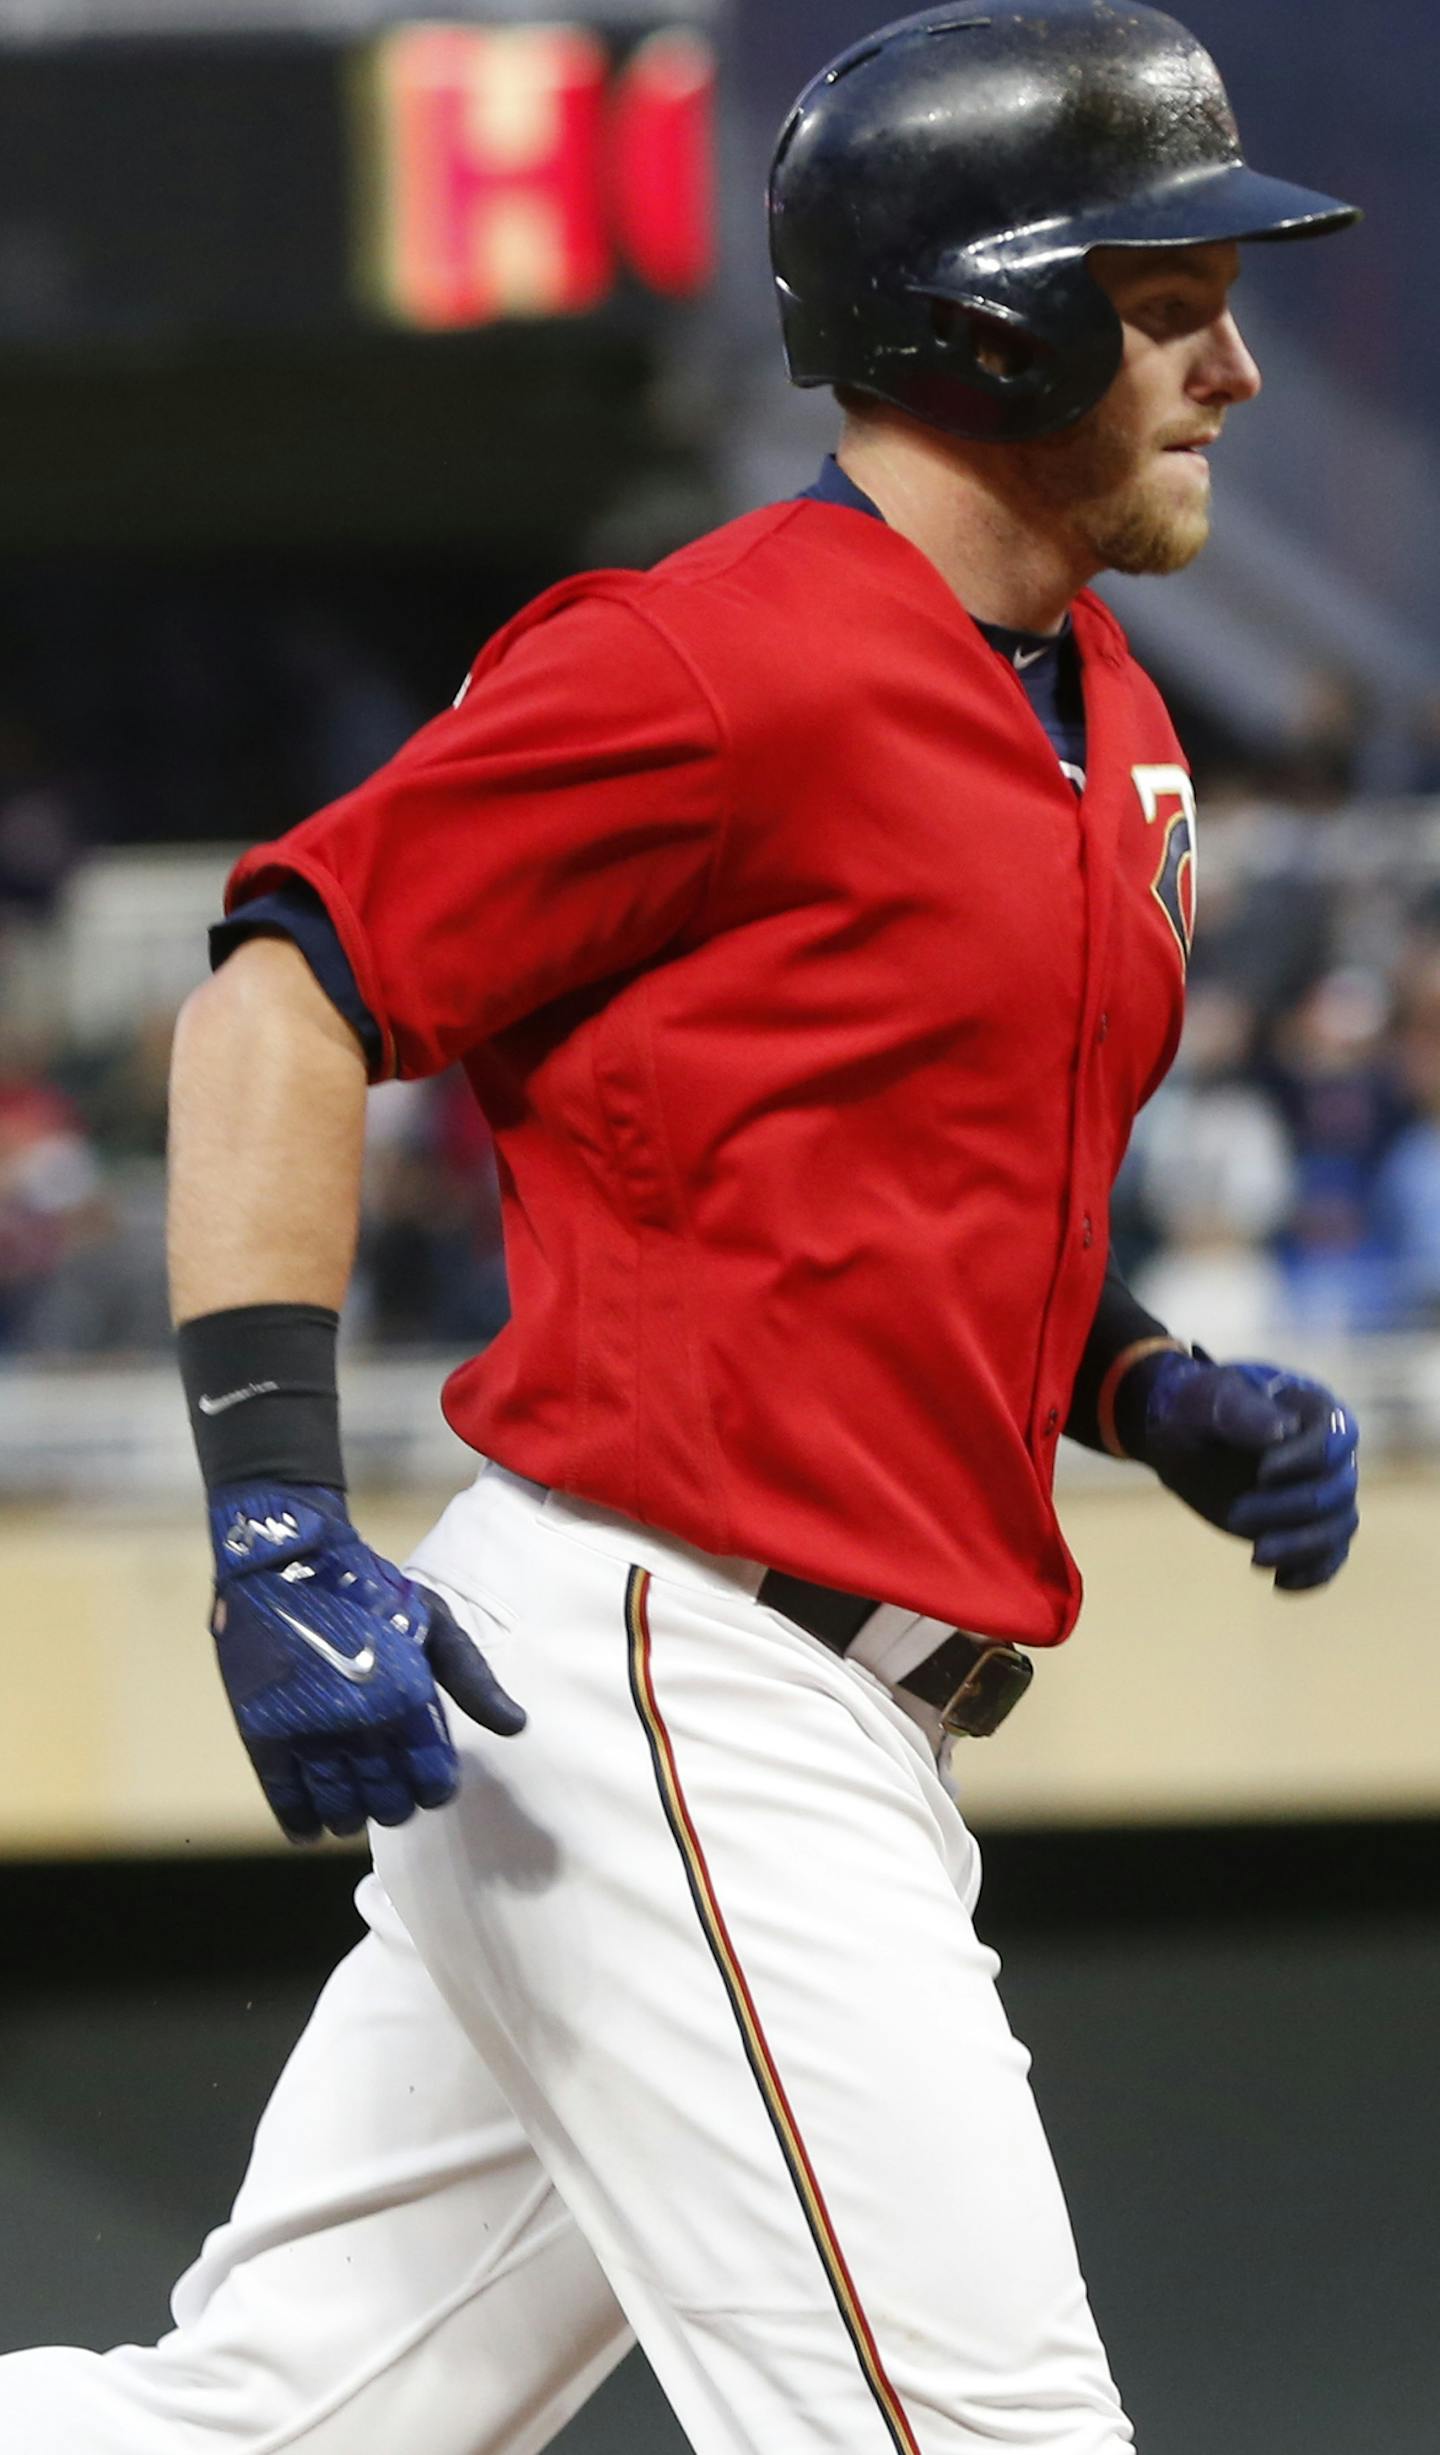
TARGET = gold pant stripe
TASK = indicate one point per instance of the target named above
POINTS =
(757, 2050)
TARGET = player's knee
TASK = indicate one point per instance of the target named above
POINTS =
(138, 2400)
(53, 2402)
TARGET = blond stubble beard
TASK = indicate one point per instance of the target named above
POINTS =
(1145, 540)
(1088, 478)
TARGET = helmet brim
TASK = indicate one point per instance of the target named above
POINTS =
(1226, 201)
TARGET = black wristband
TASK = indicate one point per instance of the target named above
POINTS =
(260, 1386)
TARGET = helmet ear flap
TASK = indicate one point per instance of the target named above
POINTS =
(988, 342)
(956, 353)
(999, 375)
(1032, 352)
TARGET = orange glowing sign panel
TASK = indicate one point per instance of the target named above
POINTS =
(519, 172)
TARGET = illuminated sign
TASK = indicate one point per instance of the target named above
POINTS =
(519, 171)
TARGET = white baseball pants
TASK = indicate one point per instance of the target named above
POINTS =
(676, 2022)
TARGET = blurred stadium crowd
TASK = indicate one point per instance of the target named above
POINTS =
(1288, 1175)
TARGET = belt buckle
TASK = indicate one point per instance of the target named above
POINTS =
(991, 1688)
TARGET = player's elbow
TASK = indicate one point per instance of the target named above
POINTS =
(265, 995)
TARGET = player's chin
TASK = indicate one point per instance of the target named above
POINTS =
(1153, 536)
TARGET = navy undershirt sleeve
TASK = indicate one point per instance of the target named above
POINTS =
(297, 912)
(1120, 1321)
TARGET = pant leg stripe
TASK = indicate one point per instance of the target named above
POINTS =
(747, 2019)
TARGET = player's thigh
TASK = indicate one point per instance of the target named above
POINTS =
(397, 2270)
(707, 1916)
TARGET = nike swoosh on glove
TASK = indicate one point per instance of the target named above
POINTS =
(330, 1659)
(1258, 1451)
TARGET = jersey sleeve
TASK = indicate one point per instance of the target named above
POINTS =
(556, 827)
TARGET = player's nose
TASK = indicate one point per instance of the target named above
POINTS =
(1227, 371)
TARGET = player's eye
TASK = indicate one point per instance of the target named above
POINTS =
(1175, 313)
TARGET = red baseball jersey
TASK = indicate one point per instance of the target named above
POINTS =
(810, 1008)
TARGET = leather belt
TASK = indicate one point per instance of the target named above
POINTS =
(972, 1684)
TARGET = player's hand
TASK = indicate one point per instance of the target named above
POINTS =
(330, 1660)
(1258, 1451)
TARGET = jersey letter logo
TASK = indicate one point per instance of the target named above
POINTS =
(1167, 798)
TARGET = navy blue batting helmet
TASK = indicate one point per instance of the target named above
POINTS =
(937, 189)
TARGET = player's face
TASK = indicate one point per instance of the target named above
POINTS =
(1131, 480)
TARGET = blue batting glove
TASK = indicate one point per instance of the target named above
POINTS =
(330, 1660)
(1259, 1452)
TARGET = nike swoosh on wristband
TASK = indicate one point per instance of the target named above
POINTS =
(357, 1667)
(237, 1397)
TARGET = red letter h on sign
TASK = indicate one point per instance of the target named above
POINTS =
(505, 179)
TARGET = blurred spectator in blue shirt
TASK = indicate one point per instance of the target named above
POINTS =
(1213, 1176)
(1407, 1194)
(1336, 1084)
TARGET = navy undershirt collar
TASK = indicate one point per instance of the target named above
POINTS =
(1048, 664)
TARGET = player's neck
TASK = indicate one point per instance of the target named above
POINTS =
(1004, 567)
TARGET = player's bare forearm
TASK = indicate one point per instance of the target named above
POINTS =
(330, 1656)
(267, 1127)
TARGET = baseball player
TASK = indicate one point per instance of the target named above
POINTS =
(810, 916)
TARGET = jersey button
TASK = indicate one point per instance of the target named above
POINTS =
(1102, 1030)
(1052, 1423)
(1087, 1233)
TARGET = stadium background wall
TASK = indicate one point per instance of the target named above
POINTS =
(1223, 1701)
